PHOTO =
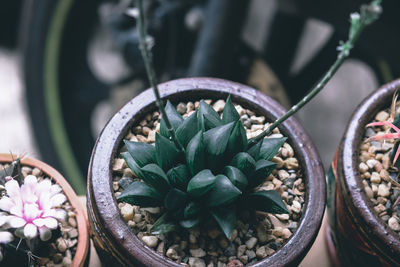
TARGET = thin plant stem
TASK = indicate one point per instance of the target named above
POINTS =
(148, 61)
(369, 13)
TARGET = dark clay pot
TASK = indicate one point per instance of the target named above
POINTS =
(114, 240)
(357, 237)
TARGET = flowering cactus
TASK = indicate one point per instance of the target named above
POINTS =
(31, 208)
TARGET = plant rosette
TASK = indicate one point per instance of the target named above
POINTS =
(203, 192)
(363, 185)
(41, 220)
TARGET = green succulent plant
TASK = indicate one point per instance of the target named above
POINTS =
(213, 177)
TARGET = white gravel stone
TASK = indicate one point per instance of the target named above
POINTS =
(383, 190)
(296, 206)
(363, 167)
(382, 116)
(198, 252)
(394, 224)
(150, 241)
(127, 212)
(219, 105)
(251, 242)
(375, 178)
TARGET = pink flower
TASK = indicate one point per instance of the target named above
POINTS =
(32, 207)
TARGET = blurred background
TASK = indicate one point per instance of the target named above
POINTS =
(66, 66)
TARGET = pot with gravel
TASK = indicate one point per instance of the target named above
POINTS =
(363, 203)
(221, 201)
(42, 222)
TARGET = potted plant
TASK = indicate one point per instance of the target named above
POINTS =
(42, 221)
(363, 201)
(207, 173)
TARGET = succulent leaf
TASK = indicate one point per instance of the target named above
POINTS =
(167, 153)
(189, 223)
(244, 162)
(174, 118)
(142, 153)
(188, 129)
(254, 151)
(226, 219)
(179, 177)
(230, 113)
(262, 170)
(236, 176)
(132, 164)
(201, 183)
(270, 147)
(195, 153)
(154, 176)
(163, 225)
(237, 140)
(267, 201)
(223, 193)
(140, 194)
(207, 117)
(175, 199)
(191, 210)
(216, 141)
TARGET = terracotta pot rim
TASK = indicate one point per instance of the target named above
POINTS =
(82, 249)
(107, 145)
(358, 203)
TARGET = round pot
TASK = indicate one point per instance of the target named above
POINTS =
(81, 257)
(113, 239)
(356, 235)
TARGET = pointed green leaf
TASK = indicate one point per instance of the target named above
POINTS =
(132, 164)
(244, 162)
(142, 153)
(191, 210)
(270, 147)
(223, 193)
(216, 141)
(207, 113)
(226, 219)
(140, 194)
(179, 177)
(267, 201)
(195, 154)
(201, 183)
(163, 225)
(190, 223)
(167, 153)
(262, 170)
(236, 176)
(175, 199)
(237, 140)
(154, 176)
(396, 121)
(188, 129)
(254, 151)
(230, 113)
(174, 118)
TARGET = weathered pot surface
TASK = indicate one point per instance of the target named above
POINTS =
(115, 241)
(81, 257)
(361, 237)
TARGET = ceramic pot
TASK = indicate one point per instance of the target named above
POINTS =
(357, 237)
(81, 257)
(114, 240)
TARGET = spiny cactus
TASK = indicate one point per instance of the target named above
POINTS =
(215, 176)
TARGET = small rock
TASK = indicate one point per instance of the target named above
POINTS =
(368, 192)
(73, 233)
(36, 172)
(235, 263)
(152, 210)
(137, 218)
(383, 190)
(219, 105)
(278, 232)
(371, 163)
(151, 138)
(379, 208)
(251, 254)
(279, 162)
(282, 217)
(257, 120)
(264, 251)
(282, 174)
(296, 206)
(150, 241)
(58, 258)
(241, 250)
(291, 164)
(251, 242)
(286, 233)
(66, 262)
(256, 127)
(198, 253)
(363, 167)
(375, 178)
(61, 245)
(119, 165)
(382, 116)
(244, 259)
(196, 262)
(181, 108)
(127, 212)
(146, 130)
(394, 224)
(172, 253)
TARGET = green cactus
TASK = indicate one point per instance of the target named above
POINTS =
(213, 177)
